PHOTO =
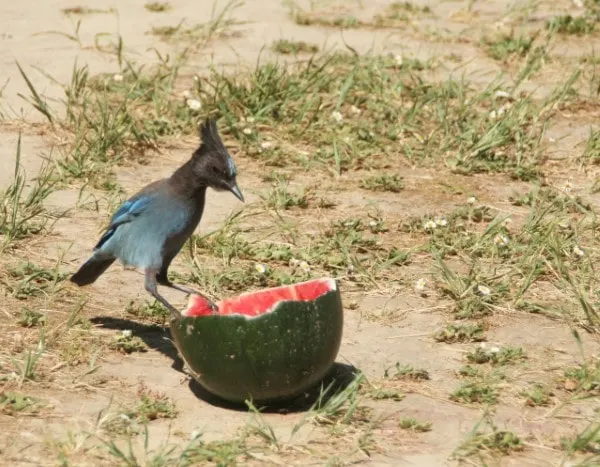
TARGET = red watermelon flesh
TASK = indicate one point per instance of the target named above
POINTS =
(260, 302)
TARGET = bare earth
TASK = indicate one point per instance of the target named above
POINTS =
(81, 379)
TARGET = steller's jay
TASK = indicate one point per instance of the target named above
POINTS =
(151, 227)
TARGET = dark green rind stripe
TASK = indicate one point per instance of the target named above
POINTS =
(273, 356)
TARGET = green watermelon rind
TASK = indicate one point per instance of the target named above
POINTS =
(273, 356)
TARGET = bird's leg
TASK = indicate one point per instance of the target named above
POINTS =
(163, 280)
(151, 287)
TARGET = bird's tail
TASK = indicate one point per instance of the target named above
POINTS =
(91, 270)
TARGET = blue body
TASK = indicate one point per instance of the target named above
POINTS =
(150, 228)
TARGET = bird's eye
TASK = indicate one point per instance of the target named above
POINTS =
(215, 170)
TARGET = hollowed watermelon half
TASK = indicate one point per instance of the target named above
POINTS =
(267, 345)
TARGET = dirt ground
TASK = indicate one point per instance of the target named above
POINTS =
(80, 384)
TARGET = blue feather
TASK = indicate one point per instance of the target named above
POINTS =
(128, 211)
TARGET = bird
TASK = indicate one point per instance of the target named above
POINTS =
(149, 229)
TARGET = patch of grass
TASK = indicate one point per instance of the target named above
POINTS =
(158, 7)
(31, 318)
(496, 355)
(537, 395)
(489, 441)
(591, 153)
(508, 46)
(289, 47)
(383, 182)
(33, 280)
(335, 407)
(152, 405)
(127, 343)
(22, 211)
(12, 403)
(280, 197)
(475, 393)
(567, 24)
(406, 372)
(414, 425)
(583, 378)
(79, 10)
(588, 441)
(460, 333)
(153, 312)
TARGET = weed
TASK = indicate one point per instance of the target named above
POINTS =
(27, 368)
(591, 153)
(21, 214)
(567, 24)
(34, 280)
(496, 355)
(460, 333)
(157, 7)
(494, 442)
(152, 312)
(152, 405)
(407, 372)
(31, 318)
(127, 343)
(12, 403)
(537, 395)
(475, 393)
(506, 47)
(414, 425)
(79, 10)
(384, 182)
(287, 47)
(588, 441)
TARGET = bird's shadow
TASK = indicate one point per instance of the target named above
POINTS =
(159, 338)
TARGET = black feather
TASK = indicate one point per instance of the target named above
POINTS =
(91, 270)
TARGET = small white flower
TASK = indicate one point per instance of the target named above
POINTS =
(337, 116)
(186, 94)
(124, 417)
(501, 240)
(250, 119)
(502, 94)
(484, 290)
(578, 3)
(350, 269)
(127, 333)
(304, 266)
(567, 187)
(266, 145)
(441, 222)
(294, 262)
(471, 200)
(260, 268)
(355, 110)
(493, 115)
(495, 349)
(373, 223)
(193, 104)
(195, 435)
(577, 250)
(429, 225)
(247, 131)
(196, 78)
(398, 60)
(482, 345)
(421, 286)
(564, 224)
(118, 77)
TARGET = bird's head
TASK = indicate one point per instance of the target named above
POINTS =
(212, 163)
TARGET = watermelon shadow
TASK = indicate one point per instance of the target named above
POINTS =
(339, 377)
(158, 338)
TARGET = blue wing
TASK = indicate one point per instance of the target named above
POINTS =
(128, 211)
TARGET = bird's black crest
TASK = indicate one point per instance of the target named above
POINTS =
(209, 136)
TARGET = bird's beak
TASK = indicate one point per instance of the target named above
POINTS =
(235, 189)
